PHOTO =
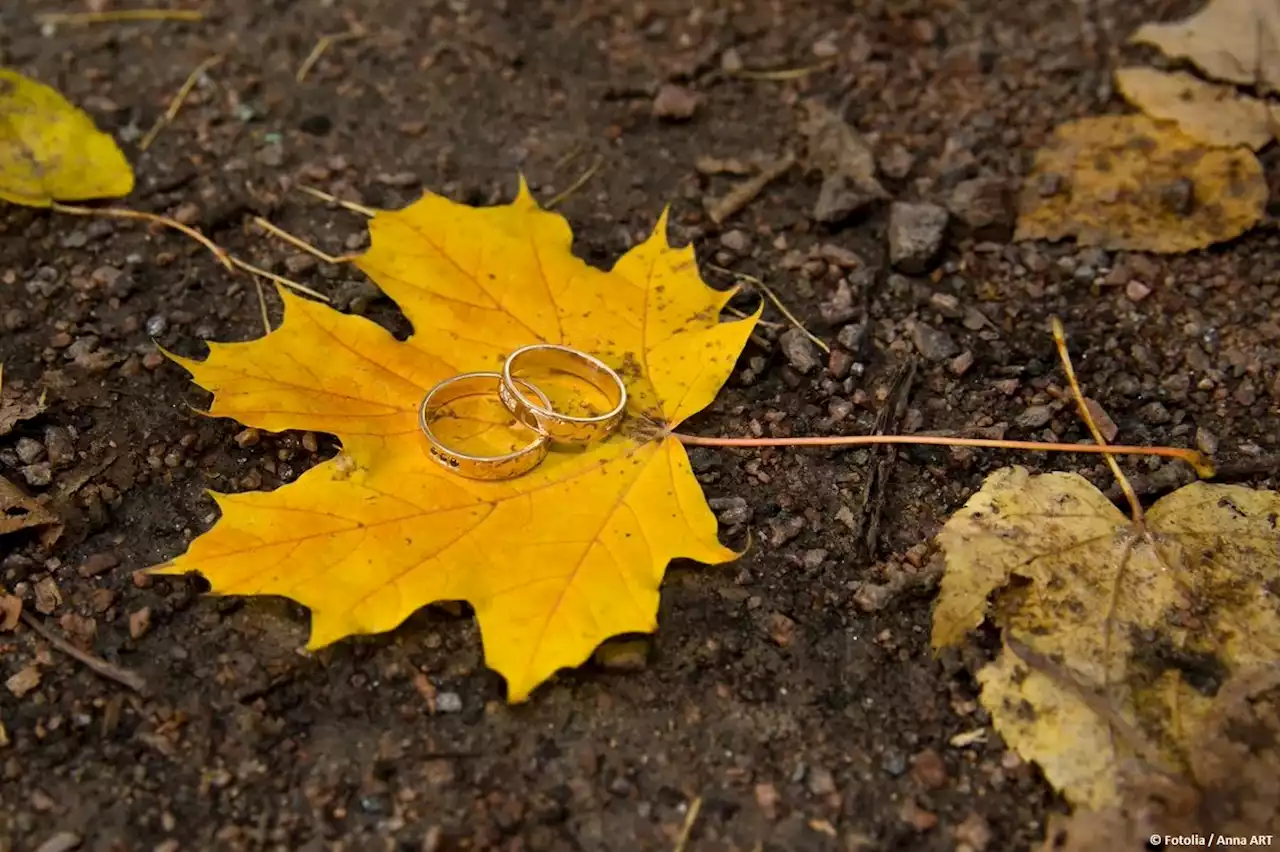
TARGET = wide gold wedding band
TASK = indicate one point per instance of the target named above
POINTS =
(540, 415)
(506, 466)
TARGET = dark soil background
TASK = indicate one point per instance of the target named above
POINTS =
(793, 692)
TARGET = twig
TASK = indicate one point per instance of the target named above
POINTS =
(333, 199)
(765, 323)
(325, 42)
(569, 157)
(756, 282)
(746, 191)
(125, 213)
(176, 104)
(689, 819)
(577, 184)
(262, 303)
(279, 279)
(299, 243)
(131, 679)
(1192, 457)
(1060, 341)
(122, 15)
(783, 74)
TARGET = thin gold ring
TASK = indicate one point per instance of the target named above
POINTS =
(506, 466)
(546, 420)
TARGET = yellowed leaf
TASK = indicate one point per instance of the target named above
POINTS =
(51, 151)
(20, 512)
(1127, 182)
(1135, 627)
(554, 562)
(1210, 113)
(1233, 40)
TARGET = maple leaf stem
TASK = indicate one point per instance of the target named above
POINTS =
(142, 215)
(1194, 458)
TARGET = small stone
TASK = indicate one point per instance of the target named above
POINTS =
(784, 529)
(100, 600)
(916, 232)
(932, 343)
(731, 61)
(838, 199)
(974, 319)
(26, 679)
(840, 256)
(731, 511)
(1102, 420)
(917, 817)
(1155, 414)
(897, 162)
(29, 450)
(1034, 417)
(821, 782)
(59, 446)
(840, 363)
(961, 363)
(97, 563)
(152, 360)
(799, 350)
(782, 630)
(631, 655)
(143, 580)
(927, 768)
(63, 841)
(1206, 441)
(448, 702)
(247, 438)
(187, 214)
(1136, 290)
(839, 408)
(767, 799)
(854, 337)
(310, 443)
(984, 205)
(840, 308)
(946, 304)
(38, 475)
(675, 103)
(974, 832)
(48, 596)
(139, 622)
(736, 241)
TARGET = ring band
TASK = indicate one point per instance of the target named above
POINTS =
(507, 466)
(543, 418)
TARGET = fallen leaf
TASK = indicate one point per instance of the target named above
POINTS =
(20, 512)
(553, 562)
(1233, 40)
(1137, 627)
(1211, 113)
(51, 151)
(1128, 182)
(14, 408)
(846, 161)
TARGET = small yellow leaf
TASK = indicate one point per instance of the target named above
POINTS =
(554, 562)
(51, 151)
(1146, 622)
(1127, 182)
(1233, 40)
(1210, 113)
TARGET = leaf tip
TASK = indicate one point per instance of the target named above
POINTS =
(524, 198)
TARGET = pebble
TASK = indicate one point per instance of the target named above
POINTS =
(784, 529)
(782, 630)
(927, 768)
(840, 364)
(974, 832)
(840, 256)
(917, 817)
(799, 350)
(152, 360)
(839, 409)
(854, 337)
(840, 308)
(897, 162)
(157, 325)
(97, 563)
(247, 438)
(25, 680)
(916, 232)
(1206, 441)
(736, 241)
(1034, 417)
(38, 475)
(620, 656)
(731, 511)
(932, 343)
(838, 199)
(821, 782)
(448, 702)
(675, 103)
(1155, 414)
(1102, 420)
(767, 799)
(29, 450)
(63, 841)
(139, 622)
(983, 204)
(961, 363)
(1137, 291)
(894, 763)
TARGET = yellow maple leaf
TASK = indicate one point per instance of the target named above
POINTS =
(51, 151)
(553, 562)
(1126, 631)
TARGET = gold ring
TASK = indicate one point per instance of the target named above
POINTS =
(507, 466)
(543, 418)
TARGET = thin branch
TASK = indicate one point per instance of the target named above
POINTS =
(120, 16)
(176, 104)
(325, 42)
(140, 215)
(764, 288)
(333, 199)
(279, 279)
(577, 184)
(299, 243)
(101, 667)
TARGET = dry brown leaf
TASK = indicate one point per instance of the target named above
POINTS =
(1233, 40)
(20, 512)
(14, 407)
(1214, 114)
(1128, 630)
(1128, 182)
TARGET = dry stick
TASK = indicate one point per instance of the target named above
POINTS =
(176, 104)
(689, 819)
(279, 279)
(262, 303)
(123, 15)
(1060, 341)
(756, 282)
(746, 191)
(1192, 457)
(577, 184)
(302, 244)
(131, 679)
(325, 42)
(333, 199)
(743, 315)
(782, 74)
(124, 213)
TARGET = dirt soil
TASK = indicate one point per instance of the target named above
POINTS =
(792, 693)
